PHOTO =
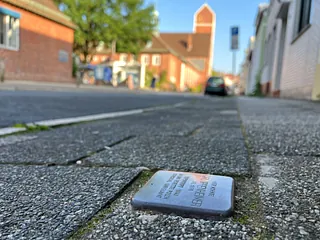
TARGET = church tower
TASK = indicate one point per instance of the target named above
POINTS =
(205, 22)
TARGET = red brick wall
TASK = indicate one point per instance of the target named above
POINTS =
(203, 29)
(164, 66)
(38, 56)
(204, 73)
(205, 16)
(174, 69)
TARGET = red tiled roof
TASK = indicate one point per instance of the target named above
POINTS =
(179, 42)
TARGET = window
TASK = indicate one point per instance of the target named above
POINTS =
(304, 14)
(2, 25)
(124, 57)
(9, 29)
(145, 59)
(156, 60)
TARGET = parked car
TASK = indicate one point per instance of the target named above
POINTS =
(217, 86)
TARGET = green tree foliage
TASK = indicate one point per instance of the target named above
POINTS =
(128, 22)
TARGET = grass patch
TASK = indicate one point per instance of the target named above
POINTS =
(19, 125)
(37, 128)
(31, 127)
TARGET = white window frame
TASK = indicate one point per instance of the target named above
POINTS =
(145, 59)
(156, 60)
(123, 56)
(9, 32)
(298, 31)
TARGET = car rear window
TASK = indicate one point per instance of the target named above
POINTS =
(216, 80)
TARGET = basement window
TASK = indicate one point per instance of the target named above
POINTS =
(9, 29)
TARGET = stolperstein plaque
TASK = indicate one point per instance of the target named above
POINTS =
(187, 193)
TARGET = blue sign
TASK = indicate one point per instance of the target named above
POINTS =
(234, 38)
(234, 31)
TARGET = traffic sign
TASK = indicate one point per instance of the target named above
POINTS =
(234, 38)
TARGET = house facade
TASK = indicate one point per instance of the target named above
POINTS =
(246, 67)
(291, 59)
(259, 49)
(186, 58)
(301, 65)
(36, 41)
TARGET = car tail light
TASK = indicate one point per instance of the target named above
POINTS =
(222, 85)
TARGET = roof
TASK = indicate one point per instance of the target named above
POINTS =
(178, 42)
(205, 5)
(157, 46)
(44, 8)
(175, 45)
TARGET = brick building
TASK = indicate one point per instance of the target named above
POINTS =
(36, 41)
(187, 58)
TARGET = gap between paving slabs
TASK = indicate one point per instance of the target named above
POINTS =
(248, 209)
(246, 221)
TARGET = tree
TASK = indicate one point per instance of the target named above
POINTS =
(128, 22)
(137, 25)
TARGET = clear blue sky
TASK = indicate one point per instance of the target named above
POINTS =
(177, 16)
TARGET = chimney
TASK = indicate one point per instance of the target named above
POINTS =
(189, 43)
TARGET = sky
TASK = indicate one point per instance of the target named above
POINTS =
(177, 16)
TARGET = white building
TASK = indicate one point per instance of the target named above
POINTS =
(245, 67)
(248, 62)
(301, 65)
(291, 66)
(259, 48)
(274, 46)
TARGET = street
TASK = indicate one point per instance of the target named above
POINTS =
(30, 106)
(76, 181)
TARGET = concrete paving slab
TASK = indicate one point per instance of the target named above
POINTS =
(38, 202)
(281, 127)
(212, 156)
(62, 145)
(121, 221)
(291, 195)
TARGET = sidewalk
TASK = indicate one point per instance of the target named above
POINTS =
(67, 87)
(77, 181)
(46, 86)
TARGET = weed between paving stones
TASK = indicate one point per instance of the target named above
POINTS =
(247, 208)
(253, 208)
(143, 177)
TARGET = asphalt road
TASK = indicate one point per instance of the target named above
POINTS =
(31, 106)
